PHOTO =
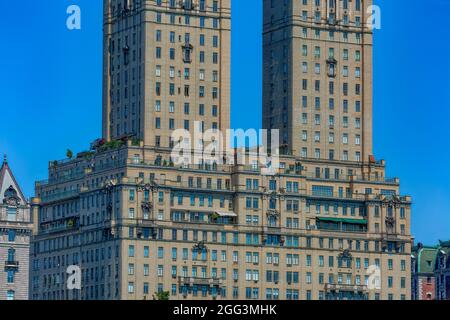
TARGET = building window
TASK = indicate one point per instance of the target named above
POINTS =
(130, 287)
(10, 295)
(12, 214)
(11, 235)
(131, 251)
(11, 255)
(10, 276)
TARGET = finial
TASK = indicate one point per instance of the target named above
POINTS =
(5, 158)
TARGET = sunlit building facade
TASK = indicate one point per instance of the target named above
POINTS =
(137, 224)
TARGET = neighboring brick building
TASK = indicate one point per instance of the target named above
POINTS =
(15, 232)
(423, 268)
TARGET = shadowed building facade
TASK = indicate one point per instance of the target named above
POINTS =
(137, 224)
(442, 271)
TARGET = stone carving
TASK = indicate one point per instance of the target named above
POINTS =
(345, 255)
(11, 198)
(199, 246)
(147, 206)
(390, 223)
(273, 213)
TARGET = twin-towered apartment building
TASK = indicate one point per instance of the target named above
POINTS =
(327, 225)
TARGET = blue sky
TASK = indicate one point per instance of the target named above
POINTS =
(50, 86)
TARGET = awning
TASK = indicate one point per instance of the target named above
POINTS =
(344, 220)
(226, 214)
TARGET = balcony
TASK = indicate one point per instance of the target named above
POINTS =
(62, 225)
(11, 264)
(56, 196)
(361, 178)
(345, 287)
(222, 168)
(336, 195)
(341, 224)
(190, 281)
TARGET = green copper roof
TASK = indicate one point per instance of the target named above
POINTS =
(344, 220)
(426, 259)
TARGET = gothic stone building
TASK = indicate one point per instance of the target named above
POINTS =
(15, 233)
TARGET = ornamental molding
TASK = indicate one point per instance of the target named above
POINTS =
(273, 213)
(11, 198)
(200, 246)
(390, 224)
(345, 255)
(147, 206)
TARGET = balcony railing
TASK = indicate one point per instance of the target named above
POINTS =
(69, 224)
(338, 195)
(59, 195)
(165, 164)
(60, 179)
(200, 281)
(11, 264)
(355, 178)
(345, 287)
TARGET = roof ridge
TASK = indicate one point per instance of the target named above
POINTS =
(6, 168)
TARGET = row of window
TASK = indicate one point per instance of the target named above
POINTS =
(331, 139)
(345, 91)
(331, 120)
(345, 74)
(332, 4)
(187, 38)
(98, 291)
(331, 154)
(201, 91)
(270, 258)
(186, 125)
(317, 35)
(318, 18)
(90, 256)
(200, 21)
(331, 106)
(187, 74)
(187, 108)
(189, 4)
(186, 58)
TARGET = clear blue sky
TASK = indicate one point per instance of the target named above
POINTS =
(50, 92)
